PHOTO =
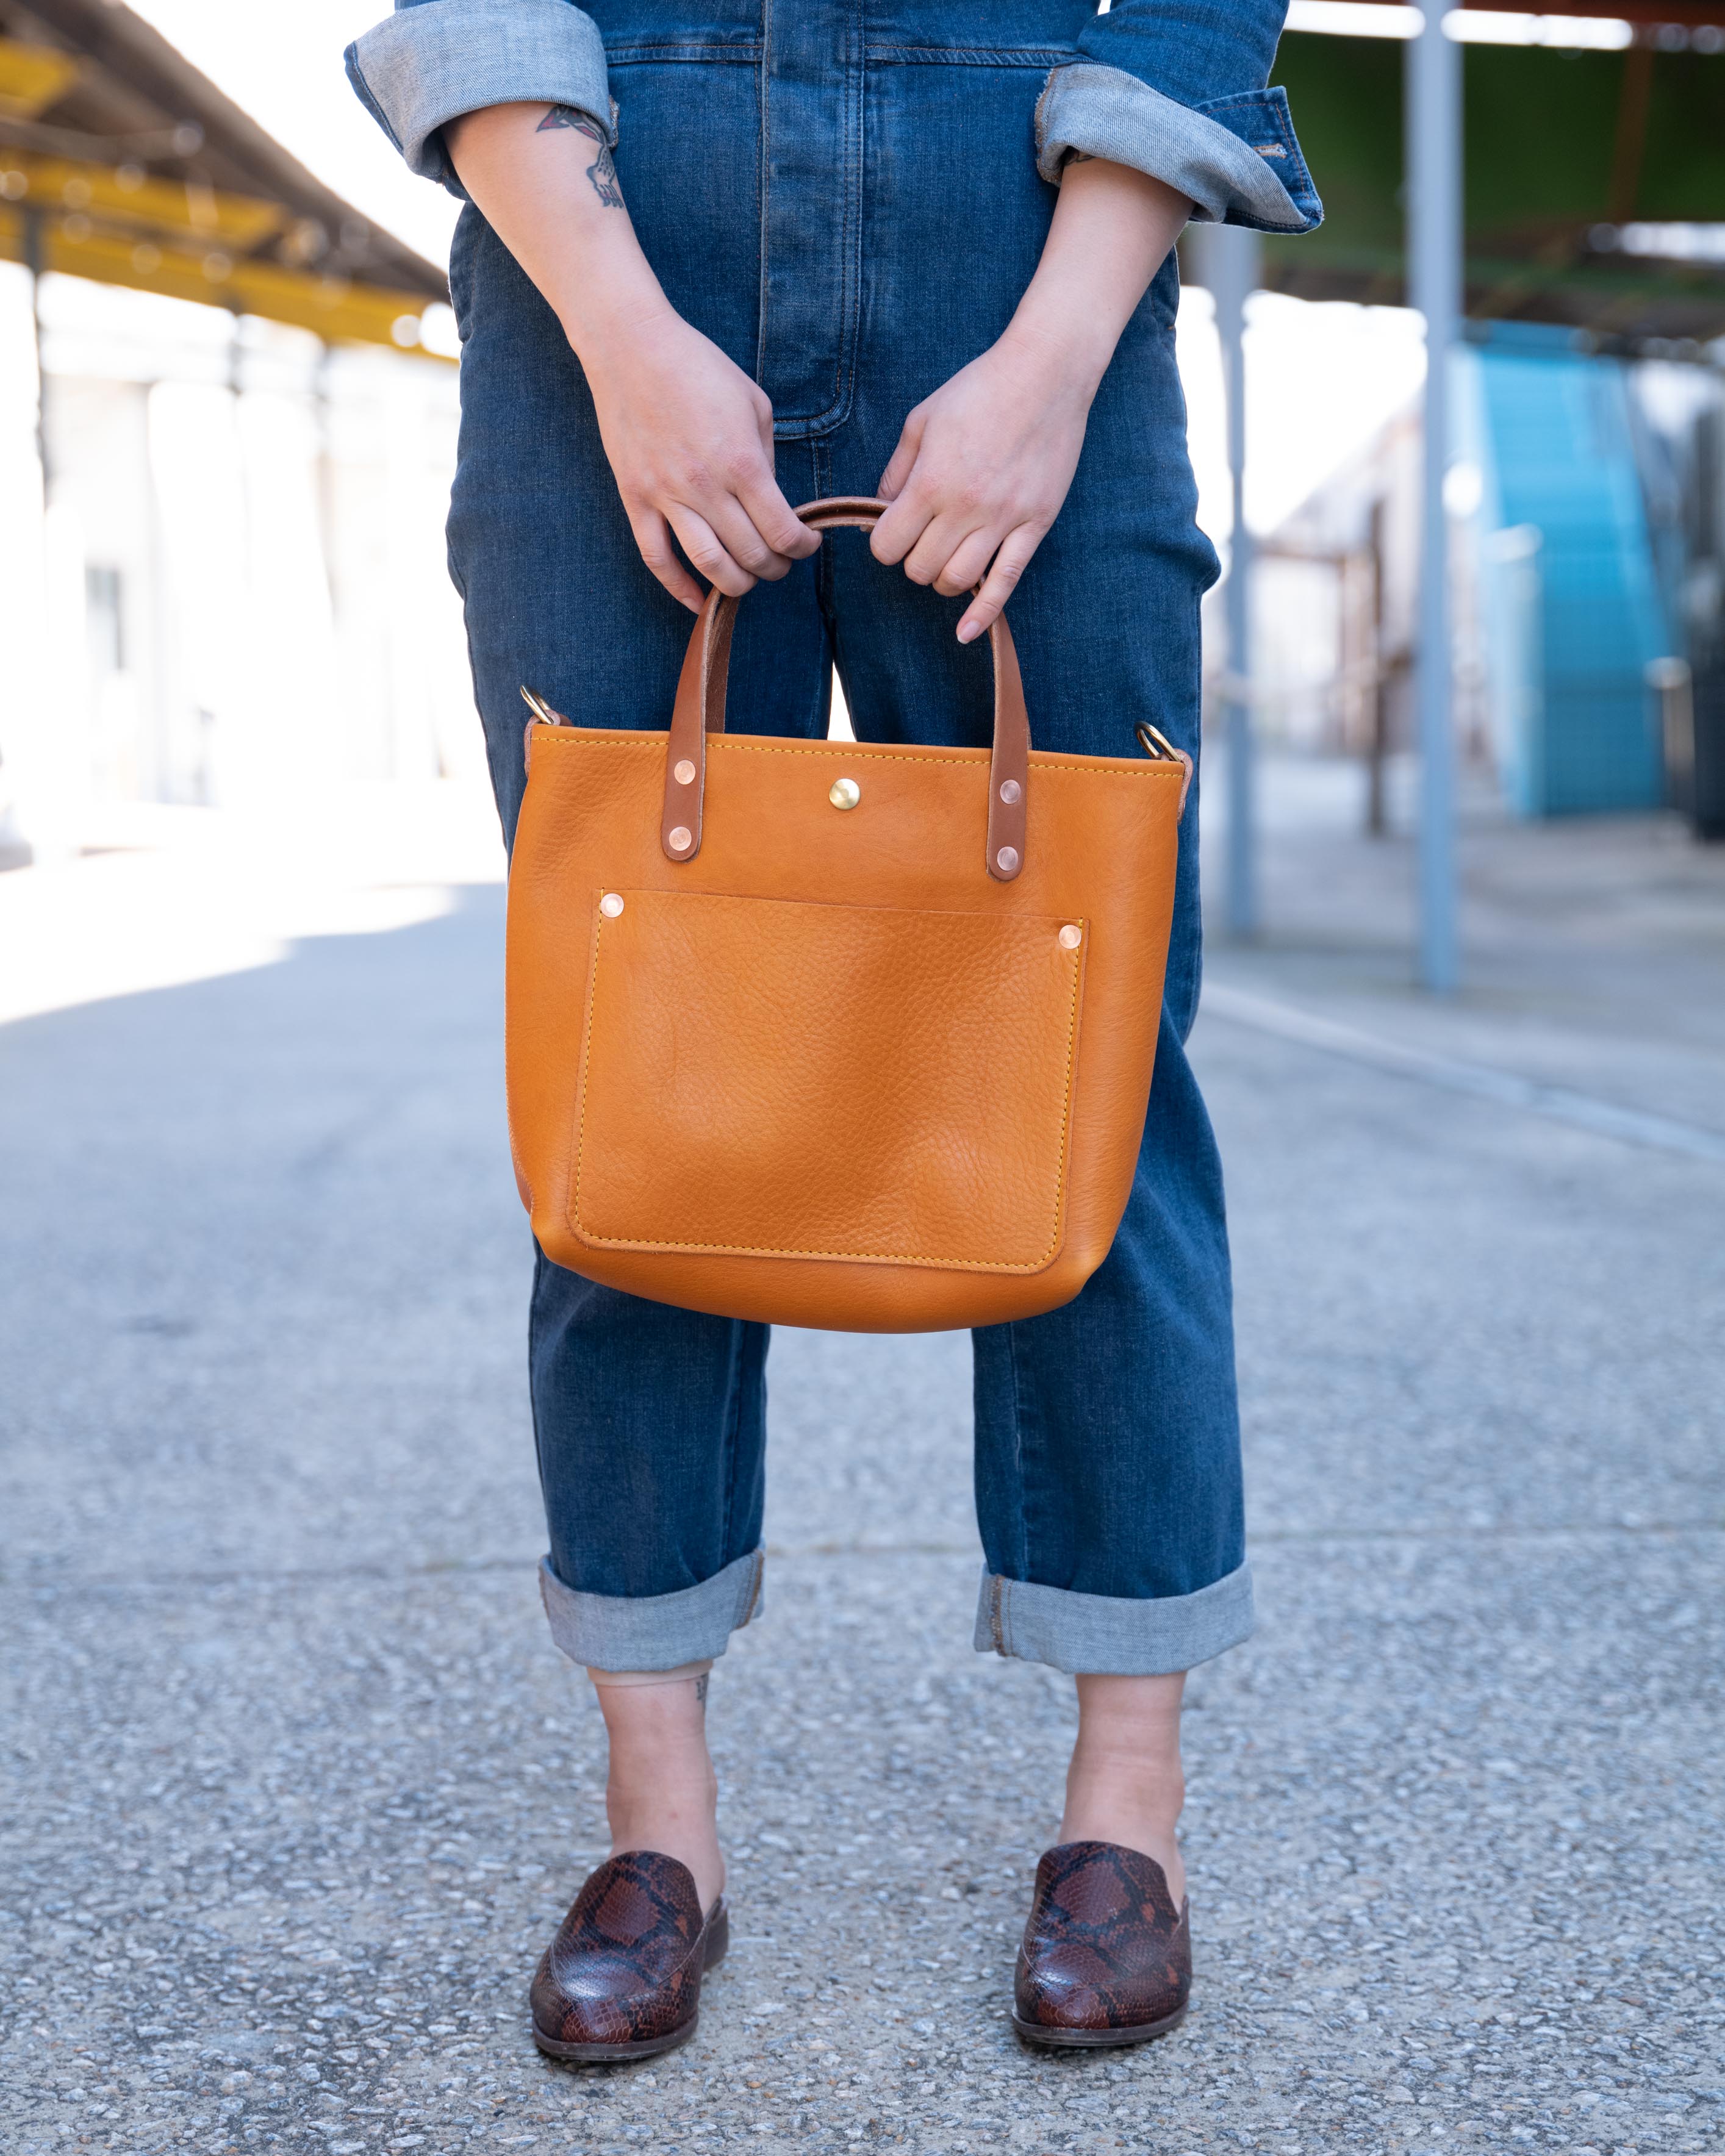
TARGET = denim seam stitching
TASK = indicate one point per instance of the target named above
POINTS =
(763, 166)
(823, 611)
(1003, 56)
(1018, 1447)
(856, 136)
(825, 596)
(572, 1210)
(539, 1263)
(645, 53)
(803, 426)
(733, 1421)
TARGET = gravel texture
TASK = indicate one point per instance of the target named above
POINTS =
(296, 1787)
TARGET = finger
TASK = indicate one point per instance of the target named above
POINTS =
(772, 516)
(967, 564)
(737, 533)
(653, 537)
(778, 523)
(942, 540)
(898, 469)
(899, 530)
(911, 505)
(1001, 582)
(702, 545)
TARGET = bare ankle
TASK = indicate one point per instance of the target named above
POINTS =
(661, 1792)
(1126, 1784)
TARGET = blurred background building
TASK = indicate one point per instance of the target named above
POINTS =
(227, 421)
(1585, 488)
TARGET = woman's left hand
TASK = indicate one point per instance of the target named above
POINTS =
(983, 466)
(982, 469)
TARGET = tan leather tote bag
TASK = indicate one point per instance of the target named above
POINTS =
(832, 1033)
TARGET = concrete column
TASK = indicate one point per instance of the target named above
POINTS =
(1231, 260)
(1435, 267)
(34, 724)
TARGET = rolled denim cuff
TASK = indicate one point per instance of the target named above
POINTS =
(430, 62)
(1112, 1635)
(653, 1631)
(1236, 158)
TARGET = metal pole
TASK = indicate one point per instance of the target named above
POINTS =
(35, 261)
(1232, 258)
(1434, 114)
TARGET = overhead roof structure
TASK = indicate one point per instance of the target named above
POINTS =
(120, 161)
(1580, 166)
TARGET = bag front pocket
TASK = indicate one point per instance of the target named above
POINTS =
(781, 1078)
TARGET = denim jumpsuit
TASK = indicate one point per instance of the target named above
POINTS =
(849, 196)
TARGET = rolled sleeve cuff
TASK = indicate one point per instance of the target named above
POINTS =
(1236, 158)
(653, 1631)
(427, 64)
(1112, 1635)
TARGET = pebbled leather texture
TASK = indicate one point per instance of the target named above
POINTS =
(827, 1070)
(622, 1979)
(914, 999)
(1106, 1958)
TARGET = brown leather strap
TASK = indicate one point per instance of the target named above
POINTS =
(700, 708)
(700, 711)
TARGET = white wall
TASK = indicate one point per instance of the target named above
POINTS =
(270, 514)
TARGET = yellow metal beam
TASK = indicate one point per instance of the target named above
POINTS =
(32, 78)
(179, 209)
(340, 311)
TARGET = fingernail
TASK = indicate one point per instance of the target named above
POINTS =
(968, 630)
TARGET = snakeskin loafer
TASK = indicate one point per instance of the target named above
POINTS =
(1107, 1957)
(622, 1979)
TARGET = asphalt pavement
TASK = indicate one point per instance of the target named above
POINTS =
(296, 1787)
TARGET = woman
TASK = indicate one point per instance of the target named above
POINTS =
(721, 256)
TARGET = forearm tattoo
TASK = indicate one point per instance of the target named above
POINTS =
(700, 1689)
(602, 171)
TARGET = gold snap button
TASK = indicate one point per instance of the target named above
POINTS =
(1007, 860)
(1070, 937)
(681, 839)
(611, 904)
(846, 793)
(1010, 791)
(683, 771)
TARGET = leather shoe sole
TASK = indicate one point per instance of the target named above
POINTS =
(1096, 2039)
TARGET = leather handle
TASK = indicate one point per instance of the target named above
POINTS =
(700, 711)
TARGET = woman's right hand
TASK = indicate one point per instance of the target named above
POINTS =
(689, 439)
(689, 435)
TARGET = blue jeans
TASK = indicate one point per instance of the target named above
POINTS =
(876, 240)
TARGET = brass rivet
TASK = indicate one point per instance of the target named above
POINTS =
(683, 771)
(846, 793)
(681, 839)
(1010, 791)
(1007, 860)
(611, 904)
(1070, 937)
